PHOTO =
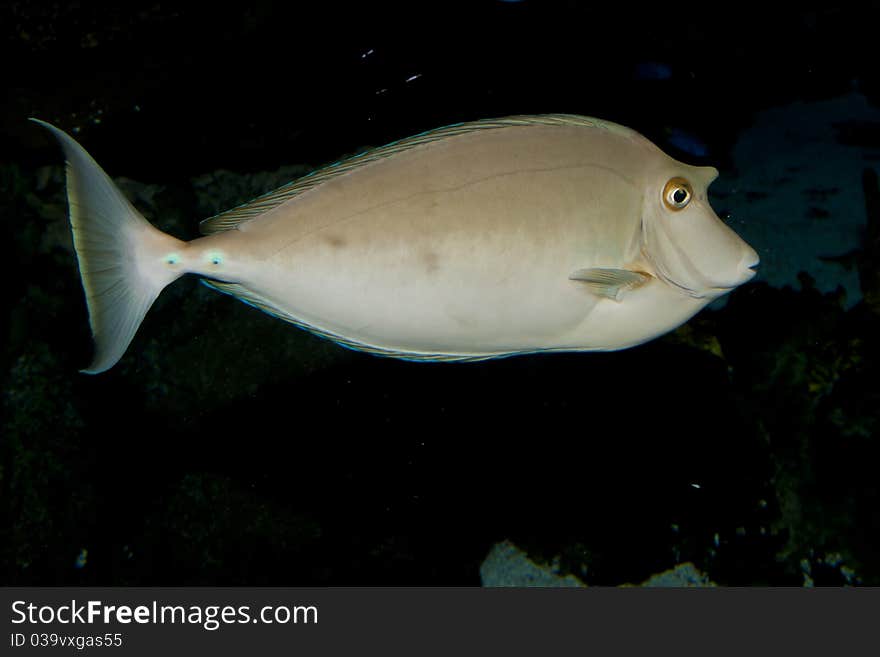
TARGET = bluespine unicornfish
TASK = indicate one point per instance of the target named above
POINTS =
(477, 240)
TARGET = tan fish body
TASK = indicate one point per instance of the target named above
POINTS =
(479, 240)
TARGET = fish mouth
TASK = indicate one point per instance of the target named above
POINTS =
(749, 267)
(748, 274)
(745, 272)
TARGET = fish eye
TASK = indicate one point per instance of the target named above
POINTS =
(677, 194)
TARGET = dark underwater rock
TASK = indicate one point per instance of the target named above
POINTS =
(869, 262)
(808, 371)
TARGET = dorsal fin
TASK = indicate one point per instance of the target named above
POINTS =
(232, 218)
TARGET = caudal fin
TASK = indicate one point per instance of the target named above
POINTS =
(124, 262)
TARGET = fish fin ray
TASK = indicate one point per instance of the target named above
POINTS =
(120, 255)
(610, 283)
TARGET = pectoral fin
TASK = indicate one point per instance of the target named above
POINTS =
(610, 283)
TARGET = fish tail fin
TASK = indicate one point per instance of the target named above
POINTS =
(123, 260)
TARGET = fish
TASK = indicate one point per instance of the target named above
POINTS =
(478, 240)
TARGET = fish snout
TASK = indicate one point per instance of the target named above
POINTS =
(747, 264)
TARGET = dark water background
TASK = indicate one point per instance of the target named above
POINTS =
(228, 447)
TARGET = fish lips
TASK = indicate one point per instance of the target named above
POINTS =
(750, 266)
(747, 270)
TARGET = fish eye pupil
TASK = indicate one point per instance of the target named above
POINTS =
(677, 194)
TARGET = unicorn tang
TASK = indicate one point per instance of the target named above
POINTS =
(478, 240)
